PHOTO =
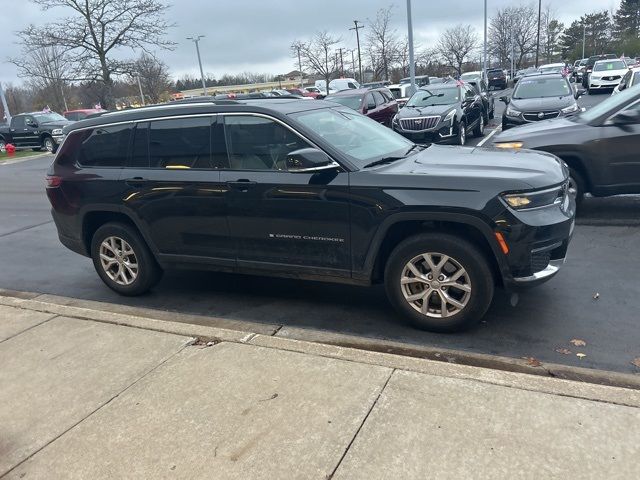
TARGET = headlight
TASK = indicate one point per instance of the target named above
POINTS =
(515, 145)
(571, 109)
(449, 116)
(594, 77)
(536, 199)
(512, 112)
(56, 131)
(395, 118)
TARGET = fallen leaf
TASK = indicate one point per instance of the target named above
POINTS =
(534, 362)
(636, 362)
(596, 296)
(580, 355)
(577, 342)
(563, 351)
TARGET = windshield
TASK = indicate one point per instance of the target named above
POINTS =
(612, 65)
(440, 96)
(48, 117)
(363, 140)
(541, 87)
(612, 103)
(351, 101)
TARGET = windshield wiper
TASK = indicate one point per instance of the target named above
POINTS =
(421, 146)
(383, 160)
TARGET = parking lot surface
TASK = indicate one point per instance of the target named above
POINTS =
(542, 325)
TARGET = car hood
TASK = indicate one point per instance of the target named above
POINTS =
(536, 129)
(56, 124)
(467, 168)
(410, 112)
(540, 104)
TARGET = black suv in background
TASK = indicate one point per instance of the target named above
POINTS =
(497, 78)
(443, 113)
(309, 190)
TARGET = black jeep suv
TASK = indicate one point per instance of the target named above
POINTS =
(309, 190)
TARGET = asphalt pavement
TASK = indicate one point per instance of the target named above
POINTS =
(541, 326)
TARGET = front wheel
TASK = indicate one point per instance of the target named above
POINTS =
(123, 260)
(576, 186)
(462, 133)
(439, 282)
(479, 130)
(49, 145)
(3, 146)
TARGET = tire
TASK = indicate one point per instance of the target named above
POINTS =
(577, 184)
(49, 145)
(3, 146)
(478, 131)
(477, 278)
(492, 113)
(148, 272)
(461, 139)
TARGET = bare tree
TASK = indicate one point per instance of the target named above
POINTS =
(154, 77)
(382, 43)
(456, 44)
(94, 31)
(317, 54)
(517, 25)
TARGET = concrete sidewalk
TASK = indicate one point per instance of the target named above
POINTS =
(86, 394)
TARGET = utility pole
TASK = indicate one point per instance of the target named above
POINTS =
(195, 40)
(341, 62)
(140, 87)
(297, 47)
(353, 61)
(4, 105)
(412, 65)
(484, 46)
(584, 36)
(357, 28)
(538, 37)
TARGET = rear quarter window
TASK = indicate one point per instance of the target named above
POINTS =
(104, 146)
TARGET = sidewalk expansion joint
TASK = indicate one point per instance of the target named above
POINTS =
(97, 409)
(364, 420)
(53, 315)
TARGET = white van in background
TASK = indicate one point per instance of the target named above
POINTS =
(343, 84)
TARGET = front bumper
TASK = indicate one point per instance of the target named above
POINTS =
(543, 275)
(444, 132)
(603, 84)
(58, 139)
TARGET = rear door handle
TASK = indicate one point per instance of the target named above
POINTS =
(136, 181)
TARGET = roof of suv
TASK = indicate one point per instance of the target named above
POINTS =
(266, 105)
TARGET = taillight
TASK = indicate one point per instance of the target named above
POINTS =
(53, 181)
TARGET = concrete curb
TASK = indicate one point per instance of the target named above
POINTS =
(611, 387)
(11, 161)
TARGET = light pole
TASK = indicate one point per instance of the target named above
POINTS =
(412, 65)
(538, 36)
(7, 114)
(484, 47)
(140, 87)
(195, 40)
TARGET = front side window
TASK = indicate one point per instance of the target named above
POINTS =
(353, 102)
(359, 138)
(180, 143)
(542, 87)
(104, 146)
(379, 98)
(17, 122)
(258, 143)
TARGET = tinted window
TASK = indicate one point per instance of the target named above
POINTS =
(17, 122)
(636, 78)
(351, 101)
(105, 146)
(351, 85)
(379, 98)
(140, 150)
(180, 143)
(257, 143)
(71, 116)
(369, 102)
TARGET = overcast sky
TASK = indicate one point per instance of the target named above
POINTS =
(254, 35)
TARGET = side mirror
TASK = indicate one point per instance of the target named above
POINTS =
(504, 99)
(580, 92)
(622, 86)
(627, 117)
(309, 160)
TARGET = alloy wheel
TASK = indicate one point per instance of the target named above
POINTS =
(463, 133)
(3, 147)
(48, 144)
(436, 285)
(118, 260)
(573, 187)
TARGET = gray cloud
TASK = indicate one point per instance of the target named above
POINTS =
(254, 35)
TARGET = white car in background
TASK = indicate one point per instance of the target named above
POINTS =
(551, 68)
(401, 92)
(607, 74)
(631, 78)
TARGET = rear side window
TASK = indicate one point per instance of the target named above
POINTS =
(380, 100)
(180, 143)
(105, 146)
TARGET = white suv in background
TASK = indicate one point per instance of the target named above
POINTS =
(631, 78)
(607, 74)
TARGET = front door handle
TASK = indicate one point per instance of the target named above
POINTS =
(242, 184)
(136, 181)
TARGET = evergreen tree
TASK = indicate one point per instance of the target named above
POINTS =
(626, 27)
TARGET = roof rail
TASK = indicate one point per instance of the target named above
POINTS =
(204, 99)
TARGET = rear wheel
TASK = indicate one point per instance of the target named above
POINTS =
(123, 260)
(439, 282)
(576, 186)
(479, 130)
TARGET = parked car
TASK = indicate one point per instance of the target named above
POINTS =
(521, 73)
(339, 84)
(401, 92)
(552, 68)
(471, 75)
(606, 75)
(301, 92)
(421, 80)
(380, 84)
(629, 61)
(442, 113)
(588, 67)
(35, 130)
(540, 97)
(433, 80)
(378, 104)
(631, 78)
(496, 79)
(488, 101)
(81, 114)
(578, 70)
(600, 145)
(309, 190)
